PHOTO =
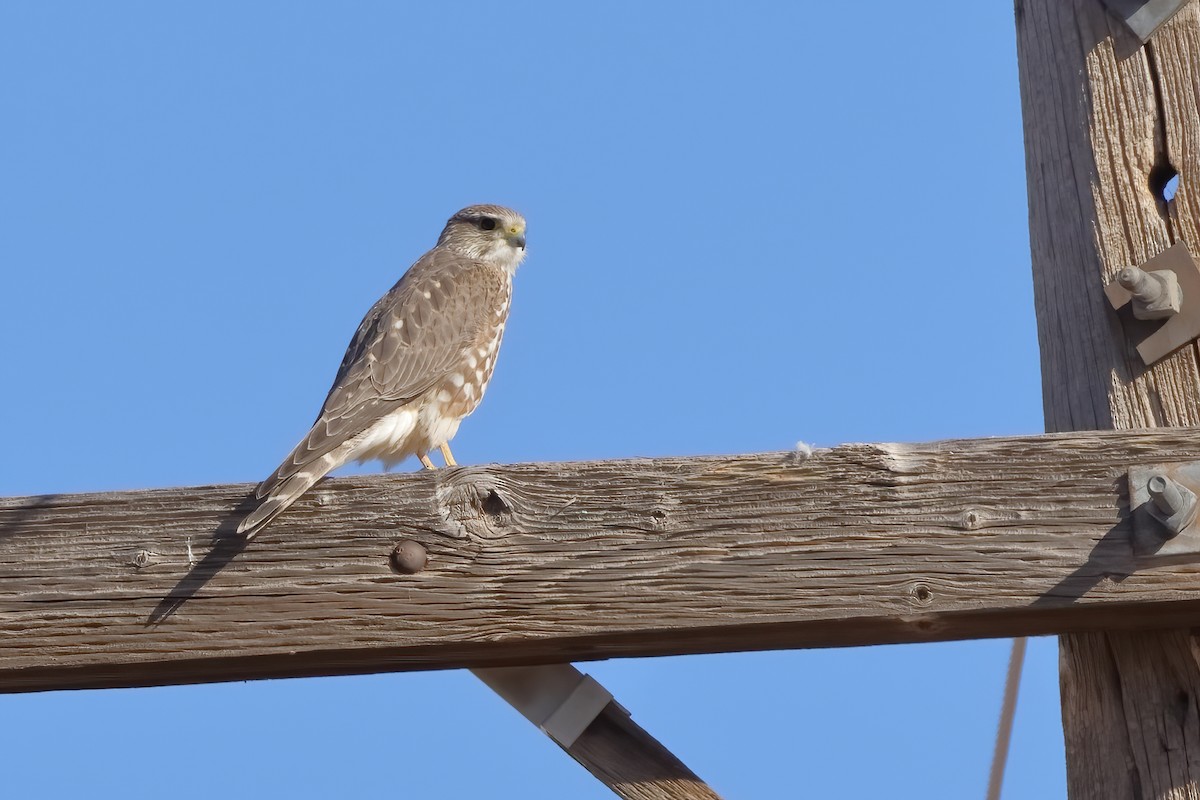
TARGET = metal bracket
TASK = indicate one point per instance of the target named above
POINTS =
(1158, 297)
(1162, 499)
(558, 698)
(1144, 17)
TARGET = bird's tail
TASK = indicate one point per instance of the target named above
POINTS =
(278, 499)
(318, 454)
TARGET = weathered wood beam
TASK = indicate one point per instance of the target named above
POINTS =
(631, 762)
(534, 563)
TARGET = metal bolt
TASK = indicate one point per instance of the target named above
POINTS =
(1140, 284)
(1165, 494)
(1155, 295)
(409, 557)
(1174, 505)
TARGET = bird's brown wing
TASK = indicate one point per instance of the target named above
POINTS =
(410, 340)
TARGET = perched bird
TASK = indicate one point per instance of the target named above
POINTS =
(418, 364)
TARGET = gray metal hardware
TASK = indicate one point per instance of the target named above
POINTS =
(1154, 295)
(1162, 499)
(558, 698)
(1144, 17)
(1177, 329)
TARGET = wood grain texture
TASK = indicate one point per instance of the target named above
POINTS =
(1105, 122)
(561, 562)
(558, 698)
(633, 764)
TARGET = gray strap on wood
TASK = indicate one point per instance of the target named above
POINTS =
(1144, 17)
(558, 698)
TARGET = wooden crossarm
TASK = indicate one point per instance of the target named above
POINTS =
(542, 563)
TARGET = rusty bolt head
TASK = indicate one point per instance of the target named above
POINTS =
(409, 557)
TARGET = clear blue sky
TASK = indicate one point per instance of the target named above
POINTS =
(749, 224)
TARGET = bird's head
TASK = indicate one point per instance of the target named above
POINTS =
(489, 233)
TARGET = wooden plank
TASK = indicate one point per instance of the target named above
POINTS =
(1106, 121)
(534, 563)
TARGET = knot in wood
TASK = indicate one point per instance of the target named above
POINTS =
(661, 513)
(971, 520)
(474, 503)
(920, 594)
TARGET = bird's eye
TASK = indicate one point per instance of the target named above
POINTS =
(487, 223)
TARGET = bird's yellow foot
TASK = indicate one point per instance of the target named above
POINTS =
(425, 462)
(446, 454)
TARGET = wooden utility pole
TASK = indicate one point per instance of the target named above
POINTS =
(1107, 122)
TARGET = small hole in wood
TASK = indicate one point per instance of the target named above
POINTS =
(1164, 181)
(658, 514)
(922, 593)
(494, 504)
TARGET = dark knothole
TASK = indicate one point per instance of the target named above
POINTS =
(494, 504)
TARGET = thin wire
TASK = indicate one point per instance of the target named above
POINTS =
(1008, 709)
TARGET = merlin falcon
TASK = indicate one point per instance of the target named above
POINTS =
(418, 364)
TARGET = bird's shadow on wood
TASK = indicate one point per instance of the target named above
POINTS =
(15, 520)
(1111, 559)
(227, 544)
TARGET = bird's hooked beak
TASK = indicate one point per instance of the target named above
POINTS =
(516, 236)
